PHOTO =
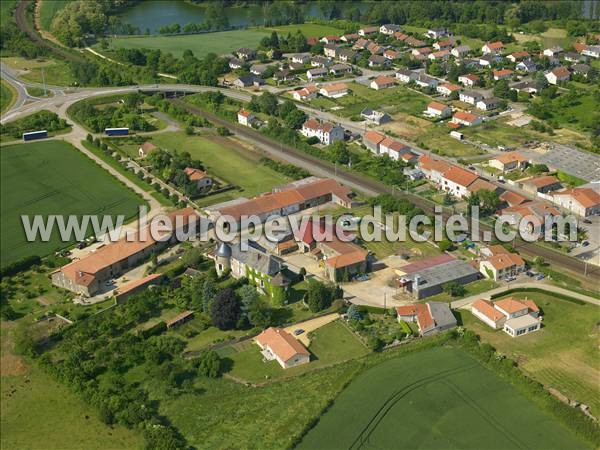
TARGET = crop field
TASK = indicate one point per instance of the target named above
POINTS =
(435, 399)
(221, 42)
(564, 354)
(52, 177)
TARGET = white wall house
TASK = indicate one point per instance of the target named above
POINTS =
(326, 132)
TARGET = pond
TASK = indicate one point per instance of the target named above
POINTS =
(154, 14)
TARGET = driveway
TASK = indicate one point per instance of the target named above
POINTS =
(311, 325)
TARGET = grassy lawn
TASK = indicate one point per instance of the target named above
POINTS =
(6, 7)
(7, 96)
(55, 72)
(38, 412)
(59, 180)
(38, 92)
(476, 287)
(438, 140)
(580, 116)
(330, 344)
(397, 99)
(200, 44)
(564, 354)
(308, 29)
(48, 9)
(225, 162)
(435, 399)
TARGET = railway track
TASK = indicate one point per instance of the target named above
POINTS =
(571, 266)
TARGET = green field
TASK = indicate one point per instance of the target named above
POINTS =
(223, 158)
(55, 72)
(308, 29)
(38, 412)
(7, 96)
(564, 354)
(435, 399)
(52, 177)
(6, 7)
(330, 344)
(48, 9)
(200, 44)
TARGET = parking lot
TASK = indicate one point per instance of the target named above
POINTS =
(570, 160)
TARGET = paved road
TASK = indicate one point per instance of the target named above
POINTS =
(547, 287)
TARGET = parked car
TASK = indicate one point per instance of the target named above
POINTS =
(298, 332)
(585, 243)
(540, 276)
(363, 277)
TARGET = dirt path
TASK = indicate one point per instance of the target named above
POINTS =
(311, 325)
(38, 24)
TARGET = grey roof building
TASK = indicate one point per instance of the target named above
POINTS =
(430, 280)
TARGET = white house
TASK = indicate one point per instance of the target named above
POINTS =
(320, 72)
(500, 266)
(508, 161)
(514, 317)
(277, 344)
(145, 149)
(426, 81)
(593, 51)
(367, 30)
(326, 132)
(301, 58)
(245, 117)
(456, 181)
(582, 201)
(492, 48)
(436, 33)
(382, 82)
(306, 93)
(470, 97)
(518, 56)
(335, 90)
(389, 29)
(553, 52)
(527, 65)
(199, 177)
(447, 89)
(436, 109)
(406, 76)
(466, 118)
(502, 74)
(487, 104)
(330, 50)
(468, 79)
(558, 75)
(460, 51)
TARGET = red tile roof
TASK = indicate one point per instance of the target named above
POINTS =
(460, 176)
(487, 309)
(373, 136)
(586, 197)
(281, 343)
(437, 106)
(195, 174)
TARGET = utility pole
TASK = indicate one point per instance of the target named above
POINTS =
(44, 82)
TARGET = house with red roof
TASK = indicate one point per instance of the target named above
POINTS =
(502, 74)
(514, 316)
(431, 317)
(245, 117)
(582, 201)
(558, 75)
(502, 265)
(306, 93)
(447, 89)
(466, 118)
(145, 149)
(469, 79)
(508, 161)
(372, 140)
(437, 109)
(199, 177)
(382, 82)
(493, 48)
(277, 344)
(326, 132)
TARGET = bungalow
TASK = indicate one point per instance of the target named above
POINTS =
(330, 39)
(199, 177)
(488, 60)
(527, 65)
(248, 80)
(502, 74)
(444, 45)
(301, 58)
(326, 132)
(508, 161)
(581, 69)
(367, 31)
(425, 81)
(431, 317)
(346, 55)
(573, 57)
(406, 75)
(460, 51)
(553, 52)
(558, 75)
(258, 69)
(391, 54)
(320, 72)
(375, 117)
(518, 56)
(320, 61)
(466, 118)
(469, 79)
(542, 184)
(245, 117)
(284, 75)
(330, 50)
(487, 104)
(351, 37)
(145, 149)
(501, 266)
(389, 29)
(470, 97)
(436, 109)
(436, 33)
(378, 61)
(442, 55)
(382, 82)
(493, 48)
(306, 93)
(414, 42)
(593, 51)
(423, 51)
(338, 69)
(335, 90)
(581, 201)
(277, 344)
(372, 140)
(245, 53)
(514, 317)
(235, 63)
(525, 86)
(447, 89)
